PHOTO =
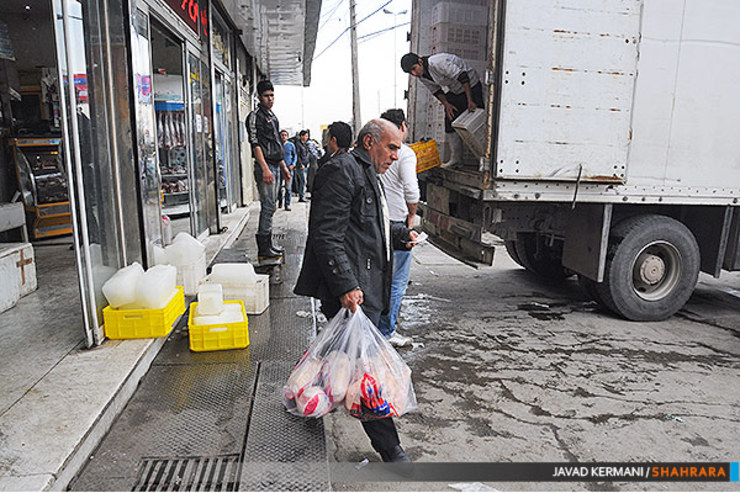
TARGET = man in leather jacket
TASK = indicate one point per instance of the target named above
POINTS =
(263, 130)
(348, 260)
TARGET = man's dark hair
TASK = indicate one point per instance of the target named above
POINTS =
(302, 133)
(408, 61)
(343, 133)
(394, 116)
(264, 85)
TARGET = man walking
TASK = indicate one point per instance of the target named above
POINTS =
(301, 164)
(267, 149)
(290, 159)
(445, 70)
(402, 191)
(348, 259)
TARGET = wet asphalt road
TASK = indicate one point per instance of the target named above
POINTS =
(509, 369)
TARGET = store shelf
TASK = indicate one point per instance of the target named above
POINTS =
(177, 210)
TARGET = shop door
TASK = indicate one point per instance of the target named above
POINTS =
(89, 127)
(228, 174)
(146, 144)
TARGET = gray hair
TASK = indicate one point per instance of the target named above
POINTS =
(373, 128)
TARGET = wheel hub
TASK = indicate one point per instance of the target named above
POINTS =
(652, 269)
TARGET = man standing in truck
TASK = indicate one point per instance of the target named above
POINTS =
(455, 83)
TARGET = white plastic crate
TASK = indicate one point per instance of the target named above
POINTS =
(471, 126)
(468, 42)
(256, 296)
(25, 265)
(456, 13)
(190, 276)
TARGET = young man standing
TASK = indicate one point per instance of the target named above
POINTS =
(402, 191)
(462, 80)
(267, 149)
(290, 159)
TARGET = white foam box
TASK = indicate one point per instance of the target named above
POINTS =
(471, 127)
(24, 262)
(256, 296)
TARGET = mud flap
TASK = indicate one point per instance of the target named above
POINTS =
(457, 238)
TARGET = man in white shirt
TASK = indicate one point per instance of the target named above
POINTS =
(454, 83)
(402, 194)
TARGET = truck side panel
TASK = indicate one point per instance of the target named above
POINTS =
(567, 83)
(687, 106)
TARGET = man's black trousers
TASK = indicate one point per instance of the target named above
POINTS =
(460, 102)
(382, 432)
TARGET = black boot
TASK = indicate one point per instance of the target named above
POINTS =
(276, 248)
(395, 454)
(264, 252)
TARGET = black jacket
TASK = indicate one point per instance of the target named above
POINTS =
(346, 235)
(301, 153)
(263, 129)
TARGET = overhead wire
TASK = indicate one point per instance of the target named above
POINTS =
(330, 15)
(368, 37)
(351, 26)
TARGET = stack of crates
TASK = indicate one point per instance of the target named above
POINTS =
(461, 29)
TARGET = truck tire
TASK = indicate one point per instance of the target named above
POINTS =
(544, 262)
(511, 250)
(652, 265)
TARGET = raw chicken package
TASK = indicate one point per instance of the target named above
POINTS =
(350, 365)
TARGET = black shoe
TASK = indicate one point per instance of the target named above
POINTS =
(302, 200)
(287, 208)
(395, 454)
(265, 251)
(280, 204)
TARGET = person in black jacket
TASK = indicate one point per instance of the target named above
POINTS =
(348, 260)
(263, 130)
(302, 164)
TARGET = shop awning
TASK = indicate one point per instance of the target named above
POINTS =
(281, 34)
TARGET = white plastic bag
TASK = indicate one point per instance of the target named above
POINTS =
(350, 365)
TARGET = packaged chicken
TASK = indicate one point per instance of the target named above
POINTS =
(351, 365)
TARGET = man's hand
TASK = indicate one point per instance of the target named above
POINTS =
(449, 110)
(352, 299)
(267, 177)
(412, 237)
(286, 173)
(471, 105)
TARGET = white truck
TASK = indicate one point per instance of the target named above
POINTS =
(612, 144)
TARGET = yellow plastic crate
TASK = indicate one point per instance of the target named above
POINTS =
(427, 155)
(217, 337)
(144, 323)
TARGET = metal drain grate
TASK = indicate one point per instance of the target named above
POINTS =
(218, 473)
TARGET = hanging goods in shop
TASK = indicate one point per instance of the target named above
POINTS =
(351, 365)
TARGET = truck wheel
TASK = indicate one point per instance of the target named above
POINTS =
(543, 261)
(511, 250)
(652, 265)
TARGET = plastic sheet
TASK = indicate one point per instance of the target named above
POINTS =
(350, 365)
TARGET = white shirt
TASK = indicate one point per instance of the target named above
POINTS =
(400, 184)
(445, 68)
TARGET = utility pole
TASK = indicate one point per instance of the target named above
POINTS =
(356, 120)
(395, 54)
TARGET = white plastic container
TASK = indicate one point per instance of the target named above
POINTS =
(233, 273)
(471, 127)
(120, 289)
(9, 291)
(210, 299)
(226, 317)
(255, 295)
(189, 276)
(156, 287)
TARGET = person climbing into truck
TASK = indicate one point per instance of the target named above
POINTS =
(464, 89)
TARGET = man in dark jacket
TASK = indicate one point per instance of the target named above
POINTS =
(263, 131)
(301, 164)
(348, 260)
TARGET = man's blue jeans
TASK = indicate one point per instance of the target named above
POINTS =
(286, 186)
(268, 197)
(401, 272)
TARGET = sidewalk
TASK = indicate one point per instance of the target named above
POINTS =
(215, 420)
(47, 435)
